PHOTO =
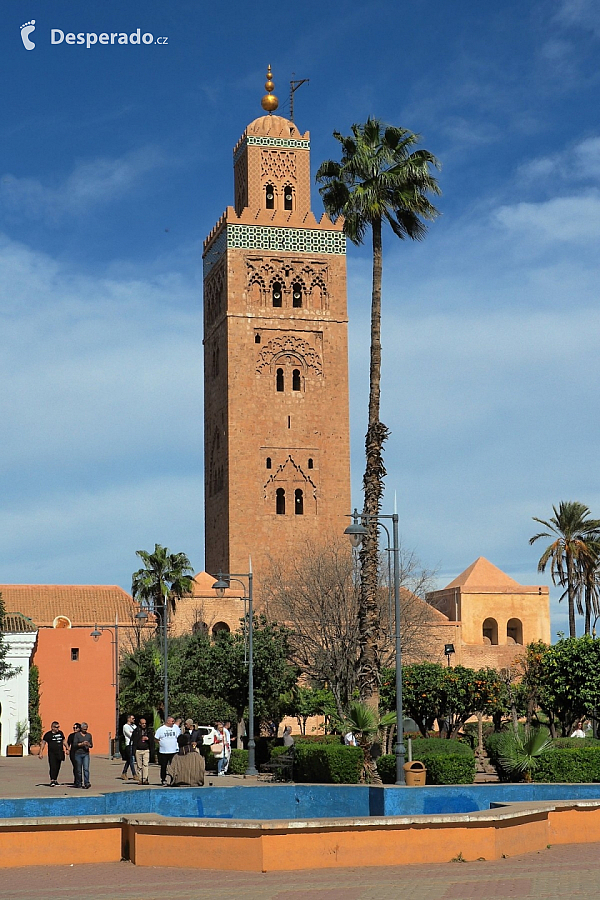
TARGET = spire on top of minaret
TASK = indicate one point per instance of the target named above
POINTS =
(269, 102)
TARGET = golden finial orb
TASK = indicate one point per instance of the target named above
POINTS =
(269, 102)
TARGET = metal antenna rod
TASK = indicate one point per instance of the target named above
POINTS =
(294, 85)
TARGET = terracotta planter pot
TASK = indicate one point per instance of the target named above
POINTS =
(14, 750)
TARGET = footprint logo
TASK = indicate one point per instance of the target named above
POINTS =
(26, 30)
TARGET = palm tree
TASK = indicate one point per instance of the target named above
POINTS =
(575, 547)
(163, 580)
(588, 594)
(364, 723)
(380, 178)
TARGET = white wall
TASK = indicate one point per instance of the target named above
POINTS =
(14, 693)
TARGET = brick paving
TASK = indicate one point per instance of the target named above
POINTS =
(569, 871)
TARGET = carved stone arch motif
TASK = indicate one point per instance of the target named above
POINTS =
(288, 359)
(293, 345)
(214, 294)
(290, 476)
(256, 290)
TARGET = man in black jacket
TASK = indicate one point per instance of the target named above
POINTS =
(142, 740)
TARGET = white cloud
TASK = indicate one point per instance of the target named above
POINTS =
(580, 13)
(90, 184)
(573, 220)
(102, 404)
(580, 162)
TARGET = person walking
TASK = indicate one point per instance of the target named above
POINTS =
(227, 745)
(288, 740)
(218, 748)
(128, 755)
(166, 736)
(55, 741)
(192, 732)
(141, 742)
(82, 742)
(71, 749)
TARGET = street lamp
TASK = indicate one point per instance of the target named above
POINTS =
(96, 634)
(220, 586)
(357, 532)
(448, 651)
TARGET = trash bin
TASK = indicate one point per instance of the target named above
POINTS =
(415, 773)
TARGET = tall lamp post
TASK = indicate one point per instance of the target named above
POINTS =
(357, 532)
(96, 634)
(220, 586)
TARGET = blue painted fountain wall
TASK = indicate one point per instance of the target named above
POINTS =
(295, 801)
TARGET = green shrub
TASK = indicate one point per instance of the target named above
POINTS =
(570, 764)
(318, 738)
(277, 751)
(447, 762)
(327, 763)
(238, 762)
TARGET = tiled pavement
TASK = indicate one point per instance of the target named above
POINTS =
(28, 777)
(572, 871)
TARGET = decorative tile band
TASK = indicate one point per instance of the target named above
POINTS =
(265, 237)
(299, 240)
(290, 143)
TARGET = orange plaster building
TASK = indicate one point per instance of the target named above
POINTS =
(77, 673)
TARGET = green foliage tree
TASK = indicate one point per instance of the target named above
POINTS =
(431, 691)
(164, 578)
(380, 178)
(35, 721)
(574, 548)
(209, 677)
(423, 695)
(570, 675)
(304, 702)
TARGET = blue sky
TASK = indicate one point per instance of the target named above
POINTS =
(116, 162)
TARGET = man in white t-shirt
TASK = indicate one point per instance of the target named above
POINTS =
(166, 736)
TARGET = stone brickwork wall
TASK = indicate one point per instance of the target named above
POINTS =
(277, 458)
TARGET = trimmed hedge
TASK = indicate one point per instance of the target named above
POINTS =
(238, 762)
(327, 763)
(447, 762)
(571, 764)
(571, 760)
(318, 738)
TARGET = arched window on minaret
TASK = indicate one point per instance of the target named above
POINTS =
(296, 380)
(270, 196)
(288, 197)
(277, 295)
(299, 502)
(280, 381)
(280, 502)
(297, 296)
(268, 462)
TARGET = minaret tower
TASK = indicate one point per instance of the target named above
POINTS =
(276, 429)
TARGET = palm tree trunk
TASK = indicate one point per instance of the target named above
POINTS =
(571, 594)
(369, 620)
(588, 608)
